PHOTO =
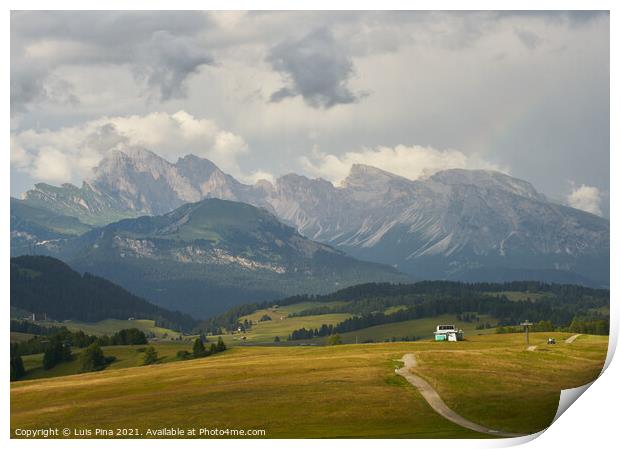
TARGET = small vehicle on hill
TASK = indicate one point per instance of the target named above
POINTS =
(448, 332)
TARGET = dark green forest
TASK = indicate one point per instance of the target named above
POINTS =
(43, 284)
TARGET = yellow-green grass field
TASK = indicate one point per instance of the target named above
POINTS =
(275, 313)
(264, 332)
(421, 328)
(111, 326)
(323, 391)
(18, 337)
(125, 357)
(281, 325)
(521, 296)
(508, 388)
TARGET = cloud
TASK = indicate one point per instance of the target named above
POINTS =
(32, 84)
(529, 39)
(411, 162)
(316, 67)
(70, 153)
(258, 175)
(586, 198)
(166, 61)
(52, 163)
(435, 78)
(161, 49)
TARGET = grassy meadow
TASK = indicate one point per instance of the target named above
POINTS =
(125, 357)
(111, 326)
(521, 296)
(421, 328)
(324, 391)
(281, 324)
(507, 388)
(18, 337)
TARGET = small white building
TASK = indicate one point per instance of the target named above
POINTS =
(448, 332)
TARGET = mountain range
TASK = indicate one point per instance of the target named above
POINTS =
(203, 257)
(470, 225)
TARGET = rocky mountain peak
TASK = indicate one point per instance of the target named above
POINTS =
(194, 165)
(457, 219)
(488, 179)
(361, 176)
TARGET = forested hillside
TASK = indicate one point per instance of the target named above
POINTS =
(382, 303)
(46, 285)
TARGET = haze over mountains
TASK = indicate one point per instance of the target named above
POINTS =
(48, 286)
(204, 257)
(457, 224)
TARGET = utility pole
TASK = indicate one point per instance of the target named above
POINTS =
(526, 325)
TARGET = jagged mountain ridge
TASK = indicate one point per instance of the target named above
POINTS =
(450, 224)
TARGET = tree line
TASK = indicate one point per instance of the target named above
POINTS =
(557, 302)
(45, 284)
(57, 348)
(199, 349)
(79, 339)
(561, 312)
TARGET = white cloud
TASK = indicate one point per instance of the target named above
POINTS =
(69, 153)
(437, 78)
(411, 162)
(586, 198)
(52, 164)
(256, 176)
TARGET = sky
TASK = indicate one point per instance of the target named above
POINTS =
(264, 94)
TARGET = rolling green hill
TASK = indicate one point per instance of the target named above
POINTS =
(204, 257)
(266, 331)
(33, 228)
(111, 326)
(383, 311)
(23, 214)
(330, 391)
(125, 357)
(419, 329)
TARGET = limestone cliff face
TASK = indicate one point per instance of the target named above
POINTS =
(444, 226)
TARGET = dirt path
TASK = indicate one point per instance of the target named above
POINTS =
(434, 400)
(572, 338)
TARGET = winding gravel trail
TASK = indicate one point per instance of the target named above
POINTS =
(434, 400)
(572, 338)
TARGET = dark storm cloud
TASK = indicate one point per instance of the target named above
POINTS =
(162, 48)
(316, 67)
(167, 60)
(525, 90)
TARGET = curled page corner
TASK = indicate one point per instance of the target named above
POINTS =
(568, 397)
(517, 441)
